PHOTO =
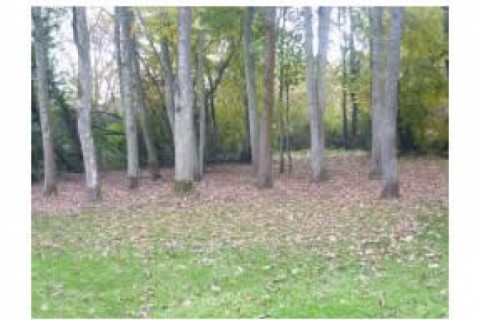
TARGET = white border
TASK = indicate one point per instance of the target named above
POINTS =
(464, 146)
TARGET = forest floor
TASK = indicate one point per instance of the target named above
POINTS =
(231, 250)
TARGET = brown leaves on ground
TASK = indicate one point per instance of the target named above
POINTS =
(227, 208)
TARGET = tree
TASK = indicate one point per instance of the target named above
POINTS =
(377, 74)
(82, 42)
(388, 144)
(251, 87)
(201, 103)
(312, 97)
(125, 17)
(142, 113)
(185, 154)
(281, 85)
(41, 62)
(317, 104)
(342, 22)
(354, 66)
(264, 175)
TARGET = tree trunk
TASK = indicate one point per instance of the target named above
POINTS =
(265, 155)
(312, 98)
(353, 77)
(390, 188)
(185, 154)
(343, 48)
(41, 61)
(377, 84)
(251, 89)
(201, 104)
(82, 41)
(142, 113)
(323, 33)
(315, 72)
(125, 17)
(287, 123)
(281, 81)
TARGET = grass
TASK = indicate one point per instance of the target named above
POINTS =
(101, 265)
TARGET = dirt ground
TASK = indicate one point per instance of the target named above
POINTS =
(421, 180)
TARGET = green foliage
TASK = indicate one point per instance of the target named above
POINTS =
(423, 111)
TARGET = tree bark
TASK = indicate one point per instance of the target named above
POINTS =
(201, 104)
(185, 154)
(390, 186)
(323, 33)
(287, 123)
(312, 97)
(125, 17)
(82, 41)
(377, 83)
(139, 98)
(353, 77)
(41, 61)
(265, 155)
(281, 85)
(318, 143)
(342, 22)
(251, 88)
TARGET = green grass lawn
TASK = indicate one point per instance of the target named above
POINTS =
(106, 265)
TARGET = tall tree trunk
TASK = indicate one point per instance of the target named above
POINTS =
(390, 188)
(41, 61)
(201, 104)
(281, 81)
(185, 154)
(312, 98)
(377, 84)
(265, 155)
(82, 41)
(251, 88)
(247, 149)
(287, 123)
(125, 17)
(353, 77)
(323, 32)
(342, 22)
(142, 114)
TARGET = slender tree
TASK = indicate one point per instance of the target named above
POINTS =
(201, 103)
(354, 69)
(388, 144)
(317, 104)
(264, 175)
(185, 154)
(251, 88)
(312, 97)
(342, 22)
(377, 95)
(82, 42)
(125, 17)
(281, 85)
(41, 61)
(139, 98)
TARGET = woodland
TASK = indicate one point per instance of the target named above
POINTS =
(239, 162)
